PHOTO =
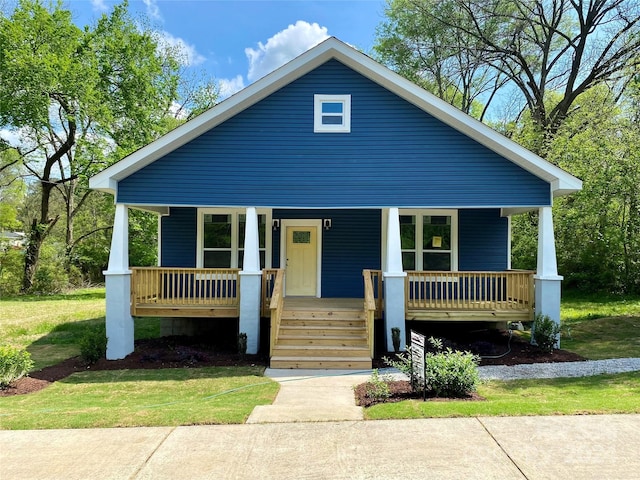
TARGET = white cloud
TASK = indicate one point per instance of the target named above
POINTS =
(229, 86)
(187, 53)
(153, 10)
(99, 5)
(282, 47)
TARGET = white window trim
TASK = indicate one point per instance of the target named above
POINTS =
(419, 213)
(234, 212)
(318, 100)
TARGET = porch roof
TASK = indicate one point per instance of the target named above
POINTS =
(561, 182)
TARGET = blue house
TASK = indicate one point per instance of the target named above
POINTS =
(329, 194)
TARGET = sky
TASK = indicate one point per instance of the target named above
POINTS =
(239, 41)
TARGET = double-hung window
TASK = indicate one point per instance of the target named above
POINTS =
(332, 113)
(429, 239)
(221, 235)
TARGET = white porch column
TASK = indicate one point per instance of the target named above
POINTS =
(118, 285)
(547, 280)
(394, 314)
(250, 283)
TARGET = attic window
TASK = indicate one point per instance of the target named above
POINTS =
(332, 113)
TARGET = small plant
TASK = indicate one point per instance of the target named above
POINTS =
(402, 362)
(377, 388)
(242, 344)
(14, 364)
(545, 333)
(395, 338)
(93, 344)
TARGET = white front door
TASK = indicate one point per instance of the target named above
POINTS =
(301, 259)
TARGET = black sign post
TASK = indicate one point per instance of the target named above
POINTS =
(417, 362)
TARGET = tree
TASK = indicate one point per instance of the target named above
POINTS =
(540, 46)
(435, 55)
(79, 100)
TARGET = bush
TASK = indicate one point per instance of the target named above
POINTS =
(451, 373)
(545, 333)
(448, 373)
(93, 344)
(14, 364)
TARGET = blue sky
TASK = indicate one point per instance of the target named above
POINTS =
(239, 41)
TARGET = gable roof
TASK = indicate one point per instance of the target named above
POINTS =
(562, 183)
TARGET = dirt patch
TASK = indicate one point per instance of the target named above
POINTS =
(400, 390)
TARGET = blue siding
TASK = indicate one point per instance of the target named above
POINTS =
(179, 231)
(349, 246)
(396, 155)
(482, 238)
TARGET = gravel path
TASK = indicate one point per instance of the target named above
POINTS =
(560, 369)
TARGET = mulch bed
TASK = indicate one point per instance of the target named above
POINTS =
(186, 352)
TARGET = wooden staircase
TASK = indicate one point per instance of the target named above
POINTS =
(322, 337)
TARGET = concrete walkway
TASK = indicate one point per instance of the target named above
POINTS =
(312, 396)
(576, 447)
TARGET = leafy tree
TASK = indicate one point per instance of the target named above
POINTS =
(436, 56)
(80, 99)
(539, 46)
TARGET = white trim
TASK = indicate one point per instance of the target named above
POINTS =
(561, 182)
(317, 223)
(318, 126)
(159, 261)
(234, 212)
(509, 233)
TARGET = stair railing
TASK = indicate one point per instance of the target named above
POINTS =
(276, 306)
(369, 307)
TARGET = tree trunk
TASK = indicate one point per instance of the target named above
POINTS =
(39, 232)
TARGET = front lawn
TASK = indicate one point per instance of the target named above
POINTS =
(602, 394)
(129, 398)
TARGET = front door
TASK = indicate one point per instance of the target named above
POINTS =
(301, 260)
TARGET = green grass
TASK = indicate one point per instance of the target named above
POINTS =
(127, 398)
(599, 326)
(50, 327)
(602, 394)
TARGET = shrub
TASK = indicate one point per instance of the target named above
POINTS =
(448, 373)
(377, 388)
(14, 364)
(545, 333)
(93, 344)
(451, 373)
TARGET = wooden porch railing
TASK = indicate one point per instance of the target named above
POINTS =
(155, 288)
(268, 282)
(369, 307)
(275, 306)
(469, 291)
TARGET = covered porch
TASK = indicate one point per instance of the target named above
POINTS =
(251, 293)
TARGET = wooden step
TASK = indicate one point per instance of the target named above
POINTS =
(328, 351)
(339, 340)
(324, 314)
(319, 330)
(334, 363)
(337, 322)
